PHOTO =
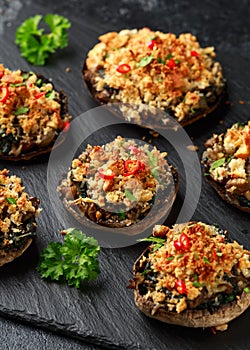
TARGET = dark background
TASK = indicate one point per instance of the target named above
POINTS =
(103, 312)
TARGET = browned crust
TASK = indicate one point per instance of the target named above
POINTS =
(147, 221)
(88, 77)
(63, 100)
(8, 256)
(190, 318)
(220, 189)
(195, 318)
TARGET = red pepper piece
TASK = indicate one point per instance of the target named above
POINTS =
(142, 166)
(66, 126)
(1, 73)
(180, 287)
(131, 166)
(108, 175)
(39, 95)
(194, 54)
(177, 245)
(214, 254)
(123, 68)
(171, 63)
(5, 94)
(185, 242)
(151, 44)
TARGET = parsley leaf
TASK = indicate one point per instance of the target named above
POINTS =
(217, 163)
(21, 110)
(10, 200)
(75, 260)
(144, 61)
(130, 196)
(34, 44)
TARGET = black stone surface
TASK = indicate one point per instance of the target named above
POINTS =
(103, 312)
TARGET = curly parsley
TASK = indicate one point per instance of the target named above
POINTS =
(74, 261)
(34, 44)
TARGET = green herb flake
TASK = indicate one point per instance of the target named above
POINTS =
(144, 61)
(170, 258)
(36, 46)
(39, 82)
(121, 214)
(229, 298)
(197, 284)
(169, 56)
(219, 253)
(130, 196)
(217, 164)
(192, 110)
(177, 61)
(159, 60)
(75, 260)
(247, 290)
(180, 256)
(17, 85)
(10, 200)
(50, 95)
(153, 37)
(205, 259)
(196, 255)
(21, 110)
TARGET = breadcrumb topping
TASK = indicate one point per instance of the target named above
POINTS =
(162, 70)
(118, 177)
(30, 112)
(195, 266)
(16, 208)
(227, 161)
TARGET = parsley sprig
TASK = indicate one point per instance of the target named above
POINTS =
(34, 44)
(74, 261)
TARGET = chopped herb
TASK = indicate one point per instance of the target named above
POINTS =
(121, 214)
(10, 200)
(39, 82)
(229, 298)
(130, 196)
(219, 253)
(152, 239)
(170, 258)
(145, 272)
(27, 75)
(246, 289)
(196, 255)
(144, 61)
(206, 260)
(217, 164)
(19, 84)
(180, 256)
(153, 160)
(197, 284)
(192, 110)
(169, 56)
(177, 61)
(153, 37)
(241, 125)
(160, 80)
(159, 60)
(159, 242)
(195, 277)
(50, 95)
(21, 110)
(206, 174)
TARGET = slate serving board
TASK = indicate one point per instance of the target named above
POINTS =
(103, 312)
